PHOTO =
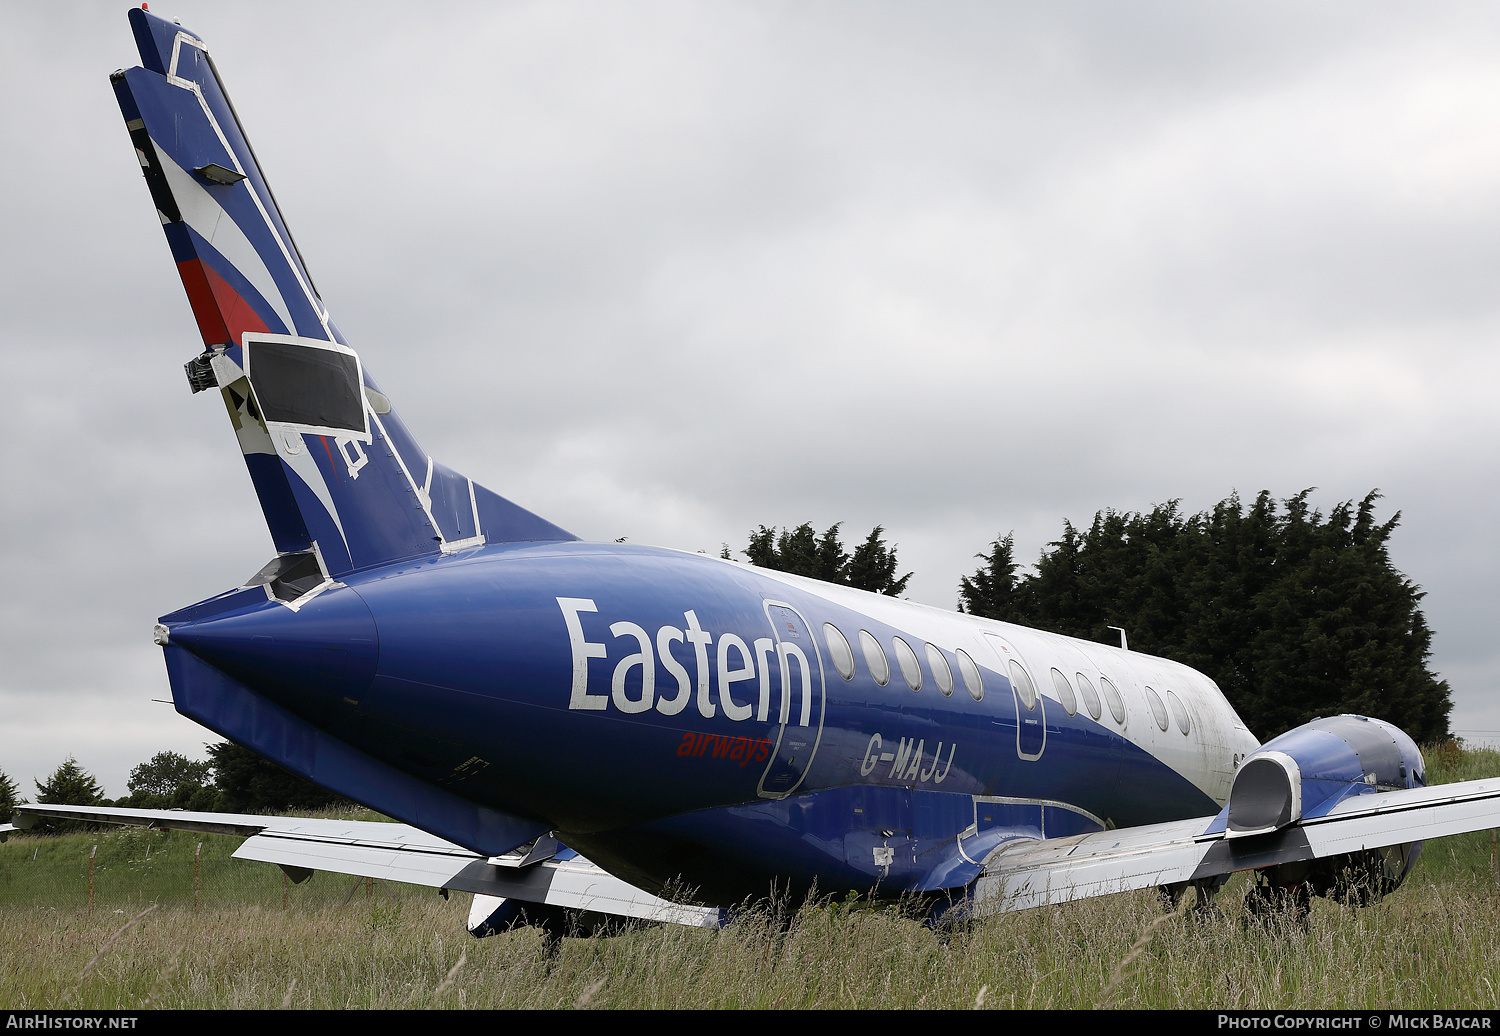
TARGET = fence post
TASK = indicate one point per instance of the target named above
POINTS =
(92, 853)
(197, 857)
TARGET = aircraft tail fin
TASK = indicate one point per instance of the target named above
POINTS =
(342, 482)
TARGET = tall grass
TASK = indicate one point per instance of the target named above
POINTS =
(136, 866)
(1422, 948)
(1434, 943)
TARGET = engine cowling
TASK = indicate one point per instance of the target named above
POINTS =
(1305, 773)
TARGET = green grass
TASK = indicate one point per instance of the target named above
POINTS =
(1467, 860)
(136, 867)
(1435, 943)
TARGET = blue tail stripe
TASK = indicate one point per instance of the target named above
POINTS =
(382, 518)
(321, 527)
(182, 136)
(283, 518)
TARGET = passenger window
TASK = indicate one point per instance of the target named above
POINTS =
(1158, 710)
(875, 658)
(1179, 713)
(838, 650)
(1116, 703)
(1022, 681)
(973, 682)
(942, 673)
(906, 658)
(1090, 696)
(1064, 692)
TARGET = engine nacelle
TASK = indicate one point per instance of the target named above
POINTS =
(1305, 773)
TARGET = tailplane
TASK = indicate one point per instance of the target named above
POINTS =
(341, 480)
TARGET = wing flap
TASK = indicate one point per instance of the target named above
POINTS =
(580, 885)
(1024, 874)
(1031, 873)
(433, 865)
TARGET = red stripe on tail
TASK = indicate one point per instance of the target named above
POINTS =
(222, 313)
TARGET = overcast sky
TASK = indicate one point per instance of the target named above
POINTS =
(672, 270)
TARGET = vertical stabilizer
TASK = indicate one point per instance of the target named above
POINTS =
(340, 479)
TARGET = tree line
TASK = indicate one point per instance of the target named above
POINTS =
(1292, 613)
(231, 780)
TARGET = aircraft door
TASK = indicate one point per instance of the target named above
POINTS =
(800, 699)
(1031, 707)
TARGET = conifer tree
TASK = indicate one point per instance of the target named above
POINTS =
(873, 566)
(9, 798)
(993, 591)
(1294, 615)
(801, 551)
(69, 785)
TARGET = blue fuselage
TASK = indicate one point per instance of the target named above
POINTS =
(670, 715)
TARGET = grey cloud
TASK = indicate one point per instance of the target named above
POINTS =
(670, 271)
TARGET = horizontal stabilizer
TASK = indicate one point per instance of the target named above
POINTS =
(242, 824)
(572, 884)
(556, 877)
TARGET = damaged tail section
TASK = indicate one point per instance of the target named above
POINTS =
(342, 482)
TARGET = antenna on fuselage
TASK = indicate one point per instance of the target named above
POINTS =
(1124, 645)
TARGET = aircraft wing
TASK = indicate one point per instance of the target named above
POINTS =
(1018, 875)
(1031, 873)
(544, 872)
